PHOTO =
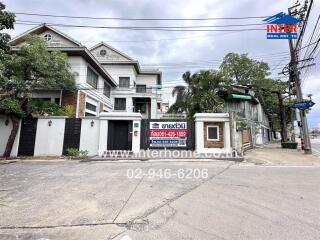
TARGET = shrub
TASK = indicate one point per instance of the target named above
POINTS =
(42, 107)
(72, 152)
(75, 153)
(83, 153)
(290, 145)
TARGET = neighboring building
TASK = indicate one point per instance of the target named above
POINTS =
(249, 111)
(107, 80)
(165, 107)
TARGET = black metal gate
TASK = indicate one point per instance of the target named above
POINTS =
(145, 133)
(119, 135)
(72, 134)
(27, 136)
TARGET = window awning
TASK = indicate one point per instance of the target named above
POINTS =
(238, 96)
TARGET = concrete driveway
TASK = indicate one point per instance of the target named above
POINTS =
(97, 200)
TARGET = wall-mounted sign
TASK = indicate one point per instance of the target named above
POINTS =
(168, 134)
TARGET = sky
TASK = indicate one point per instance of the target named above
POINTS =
(176, 52)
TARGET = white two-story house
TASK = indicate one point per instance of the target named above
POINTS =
(138, 90)
(106, 79)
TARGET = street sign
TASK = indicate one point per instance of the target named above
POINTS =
(303, 105)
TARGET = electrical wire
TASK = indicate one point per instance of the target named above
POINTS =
(137, 19)
(143, 28)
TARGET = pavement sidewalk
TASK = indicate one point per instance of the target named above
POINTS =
(273, 154)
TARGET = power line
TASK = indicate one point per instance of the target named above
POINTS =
(137, 19)
(196, 26)
(143, 28)
(313, 32)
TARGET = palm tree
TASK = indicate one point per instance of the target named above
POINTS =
(181, 92)
(199, 94)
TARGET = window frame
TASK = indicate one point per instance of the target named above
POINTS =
(94, 72)
(105, 52)
(122, 78)
(90, 105)
(218, 131)
(141, 86)
(48, 38)
(108, 95)
(125, 104)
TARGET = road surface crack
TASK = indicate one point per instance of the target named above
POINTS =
(140, 223)
(126, 202)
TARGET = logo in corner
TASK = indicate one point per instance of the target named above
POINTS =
(282, 26)
(155, 125)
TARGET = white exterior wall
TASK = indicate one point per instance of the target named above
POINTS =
(89, 138)
(79, 68)
(103, 137)
(49, 139)
(4, 135)
(105, 117)
(117, 71)
(136, 132)
(149, 80)
(200, 118)
(154, 109)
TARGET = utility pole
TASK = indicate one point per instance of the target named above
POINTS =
(295, 76)
(283, 121)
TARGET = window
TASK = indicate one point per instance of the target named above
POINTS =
(140, 107)
(106, 90)
(213, 133)
(124, 82)
(158, 106)
(91, 107)
(103, 52)
(141, 88)
(92, 78)
(48, 37)
(119, 104)
(89, 114)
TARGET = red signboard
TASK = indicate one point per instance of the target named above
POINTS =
(167, 133)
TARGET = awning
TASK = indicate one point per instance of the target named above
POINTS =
(238, 96)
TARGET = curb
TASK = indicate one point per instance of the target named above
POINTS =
(142, 160)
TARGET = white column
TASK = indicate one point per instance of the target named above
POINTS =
(199, 136)
(153, 108)
(103, 137)
(227, 143)
(136, 131)
(129, 104)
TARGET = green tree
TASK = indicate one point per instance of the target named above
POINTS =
(30, 68)
(7, 20)
(199, 94)
(242, 70)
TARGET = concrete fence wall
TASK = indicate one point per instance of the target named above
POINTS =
(49, 138)
(51, 135)
(90, 133)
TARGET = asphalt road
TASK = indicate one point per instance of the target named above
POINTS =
(97, 200)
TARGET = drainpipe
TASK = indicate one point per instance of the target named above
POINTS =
(60, 102)
(77, 108)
